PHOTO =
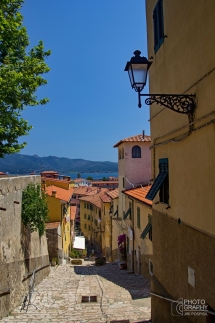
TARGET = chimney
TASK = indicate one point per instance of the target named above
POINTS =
(143, 134)
(54, 193)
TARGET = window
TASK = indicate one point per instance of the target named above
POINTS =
(85, 216)
(161, 183)
(130, 214)
(136, 152)
(146, 230)
(88, 218)
(88, 206)
(85, 205)
(150, 230)
(138, 217)
(122, 153)
(89, 227)
(85, 226)
(164, 189)
(123, 182)
(158, 25)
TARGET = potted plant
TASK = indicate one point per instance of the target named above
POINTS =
(54, 262)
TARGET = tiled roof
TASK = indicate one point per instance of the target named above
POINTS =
(105, 198)
(61, 193)
(52, 225)
(114, 193)
(49, 172)
(104, 182)
(94, 199)
(87, 190)
(137, 138)
(72, 212)
(139, 194)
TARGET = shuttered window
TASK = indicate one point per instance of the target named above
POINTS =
(138, 217)
(158, 25)
(161, 183)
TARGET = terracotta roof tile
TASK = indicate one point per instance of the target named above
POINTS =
(104, 182)
(94, 199)
(139, 194)
(61, 193)
(87, 190)
(52, 225)
(137, 138)
(114, 193)
(105, 198)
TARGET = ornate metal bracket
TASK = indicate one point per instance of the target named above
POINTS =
(181, 103)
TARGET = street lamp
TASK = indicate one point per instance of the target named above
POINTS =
(137, 69)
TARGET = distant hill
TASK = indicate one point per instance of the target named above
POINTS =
(25, 164)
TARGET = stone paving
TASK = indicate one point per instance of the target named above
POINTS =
(120, 296)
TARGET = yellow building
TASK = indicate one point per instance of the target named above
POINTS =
(65, 183)
(90, 218)
(138, 221)
(116, 229)
(59, 211)
(181, 42)
(106, 226)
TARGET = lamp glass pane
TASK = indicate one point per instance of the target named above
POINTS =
(131, 77)
(140, 74)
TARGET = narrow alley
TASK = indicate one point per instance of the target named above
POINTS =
(121, 296)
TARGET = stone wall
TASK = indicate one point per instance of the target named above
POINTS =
(21, 252)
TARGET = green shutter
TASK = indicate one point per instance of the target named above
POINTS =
(116, 212)
(163, 167)
(158, 25)
(146, 231)
(127, 213)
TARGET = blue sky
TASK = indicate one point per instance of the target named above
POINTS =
(92, 105)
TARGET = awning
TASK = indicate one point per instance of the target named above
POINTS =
(146, 231)
(127, 213)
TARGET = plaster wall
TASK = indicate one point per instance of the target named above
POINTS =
(115, 231)
(177, 246)
(140, 250)
(21, 252)
(191, 161)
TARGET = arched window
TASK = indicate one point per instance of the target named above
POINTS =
(122, 153)
(136, 152)
(120, 156)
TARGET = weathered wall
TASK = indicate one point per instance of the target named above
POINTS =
(181, 246)
(54, 243)
(20, 251)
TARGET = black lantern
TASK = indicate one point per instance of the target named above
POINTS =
(137, 70)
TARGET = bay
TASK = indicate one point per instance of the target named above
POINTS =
(95, 176)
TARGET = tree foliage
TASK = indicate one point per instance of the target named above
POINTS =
(20, 76)
(34, 208)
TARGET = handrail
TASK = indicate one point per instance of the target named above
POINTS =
(36, 270)
(5, 291)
